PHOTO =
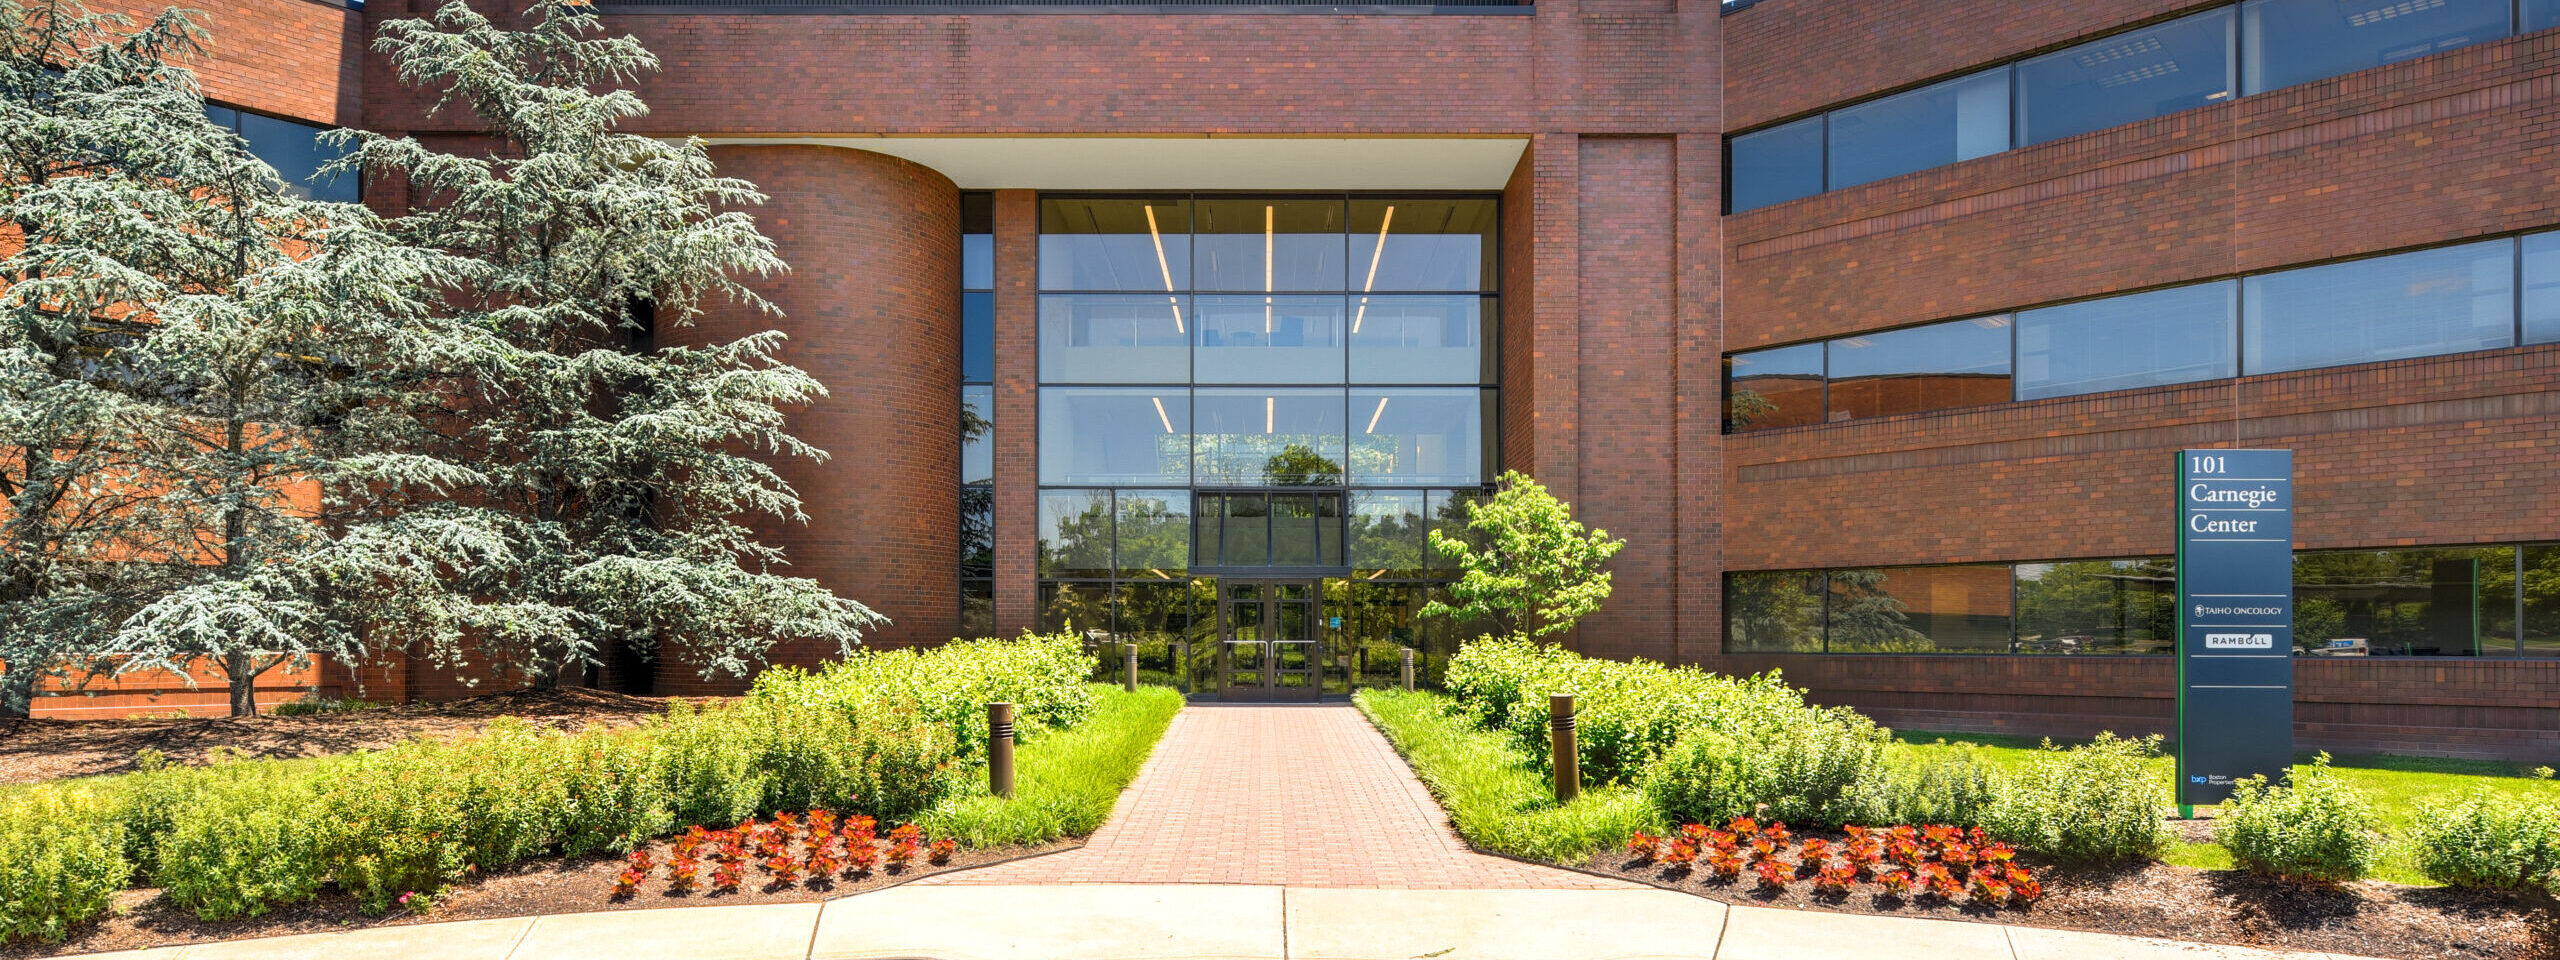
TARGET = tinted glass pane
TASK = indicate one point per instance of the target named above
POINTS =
(1429, 244)
(2098, 606)
(1083, 607)
(1943, 365)
(1773, 612)
(1768, 389)
(977, 608)
(1949, 609)
(1422, 339)
(978, 337)
(2406, 602)
(2176, 335)
(1778, 164)
(1306, 529)
(977, 434)
(1935, 125)
(1447, 512)
(978, 212)
(224, 117)
(1268, 340)
(2146, 73)
(2542, 287)
(1114, 435)
(1414, 436)
(2542, 600)
(296, 152)
(1280, 437)
(1075, 533)
(1115, 244)
(2539, 15)
(1154, 616)
(978, 530)
(1386, 532)
(977, 261)
(1245, 534)
(1154, 533)
(2411, 305)
(1264, 245)
(1115, 339)
(2298, 41)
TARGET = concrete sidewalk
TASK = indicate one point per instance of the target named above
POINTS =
(1103, 921)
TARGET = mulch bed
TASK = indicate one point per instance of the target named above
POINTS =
(40, 749)
(550, 886)
(2367, 918)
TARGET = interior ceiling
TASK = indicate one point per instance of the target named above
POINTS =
(1196, 162)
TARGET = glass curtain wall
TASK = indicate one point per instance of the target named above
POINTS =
(977, 415)
(1250, 387)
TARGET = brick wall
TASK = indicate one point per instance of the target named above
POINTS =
(291, 58)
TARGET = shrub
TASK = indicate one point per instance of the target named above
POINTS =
(148, 802)
(392, 824)
(708, 762)
(616, 798)
(1626, 713)
(1799, 766)
(61, 859)
(1952, 789)
(950, 685)
(2311, 828)
(2098, 801)
(2489, 840)
(244, 843)
(511, 788)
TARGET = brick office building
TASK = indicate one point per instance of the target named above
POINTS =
(1872, 326)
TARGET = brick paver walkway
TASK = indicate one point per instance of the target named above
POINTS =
(1301, 795)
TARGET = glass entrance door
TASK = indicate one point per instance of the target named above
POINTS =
(1269, 639)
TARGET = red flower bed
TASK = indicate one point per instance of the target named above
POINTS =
(790, 850)
(1932, 861)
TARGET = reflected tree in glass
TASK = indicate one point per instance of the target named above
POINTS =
(1299, 465)
(2097, 606)
(1774, 611)
(1075, 533)
(1865, 617)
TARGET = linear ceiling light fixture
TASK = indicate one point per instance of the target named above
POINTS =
(1268, 406)
(1160, 416)
(1379, 251)
(1166, 267)
(1267, 245)
(1374, 415)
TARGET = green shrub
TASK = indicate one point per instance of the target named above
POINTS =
(2315, 827)
(1956, 789)
(61, 860)
(709, 762)
(2489, 840)
(1801, 766)
(616, 797)
(148, 801)
(245, 843)
(1626, 713)
(392, 823)
(951, 685)
(2095, 802)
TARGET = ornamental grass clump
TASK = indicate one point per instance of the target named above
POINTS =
(2489, 840)
(2095, 802)
(2314, 827)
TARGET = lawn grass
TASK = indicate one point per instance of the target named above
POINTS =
(1492, 788)
(1066, 781)
(2398, 787)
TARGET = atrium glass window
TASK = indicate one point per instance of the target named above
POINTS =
(1778, 164)
(1961, 363)
(2542, 287)
(1126, 435)
(1152, 533)
(1933, 126)
(1768, 389)
(1115, 244)
(1274, 339)
(1421, 436)
(2298, 41)
(1115, 338)
(1387, 533)
(1411, 244)
(1268, 438)
(1270, 245)
(1422, 339)
(1075, 533)
(2428, 302)
(2131, 76)
(2177, 335)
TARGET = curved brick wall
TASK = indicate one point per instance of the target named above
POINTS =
(872, 306)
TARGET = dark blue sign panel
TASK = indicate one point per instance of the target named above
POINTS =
(2235, 615)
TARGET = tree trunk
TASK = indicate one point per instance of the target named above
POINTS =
(243, 670)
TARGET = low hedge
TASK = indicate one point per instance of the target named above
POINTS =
(886, 734)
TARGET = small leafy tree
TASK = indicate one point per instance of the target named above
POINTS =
(1532, 569)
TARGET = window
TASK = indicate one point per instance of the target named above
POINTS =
(1956, 364)
(1945, 609)
(977, 415)
(2298, 41)
(1779, 164)
(2538, 567)
(1275, 339)
(1421, 436)
(2131, 76)
(2177, 335)
(2542, 286)
(1115, 435)
(295, 150)
(2098, 606)
(2445, 601)
(1422, 244)
(1104, 338)
(2538, 15)
(1778, 611)
(1275, 437)
(1153, 533)
(1933, 126)
(1386, 533)
(1422, 339)
(1269, 245)
(1115, 244)
(2446, 300)
(977, 433)
(1075, 533)
(1768, 389)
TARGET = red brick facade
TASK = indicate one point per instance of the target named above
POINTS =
(1623, 285)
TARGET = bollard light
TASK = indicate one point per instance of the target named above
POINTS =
(1129, 667)
(1408, 669)
(1000, 749)
(1568, 762)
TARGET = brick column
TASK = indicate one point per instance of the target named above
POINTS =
(1017, 458)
